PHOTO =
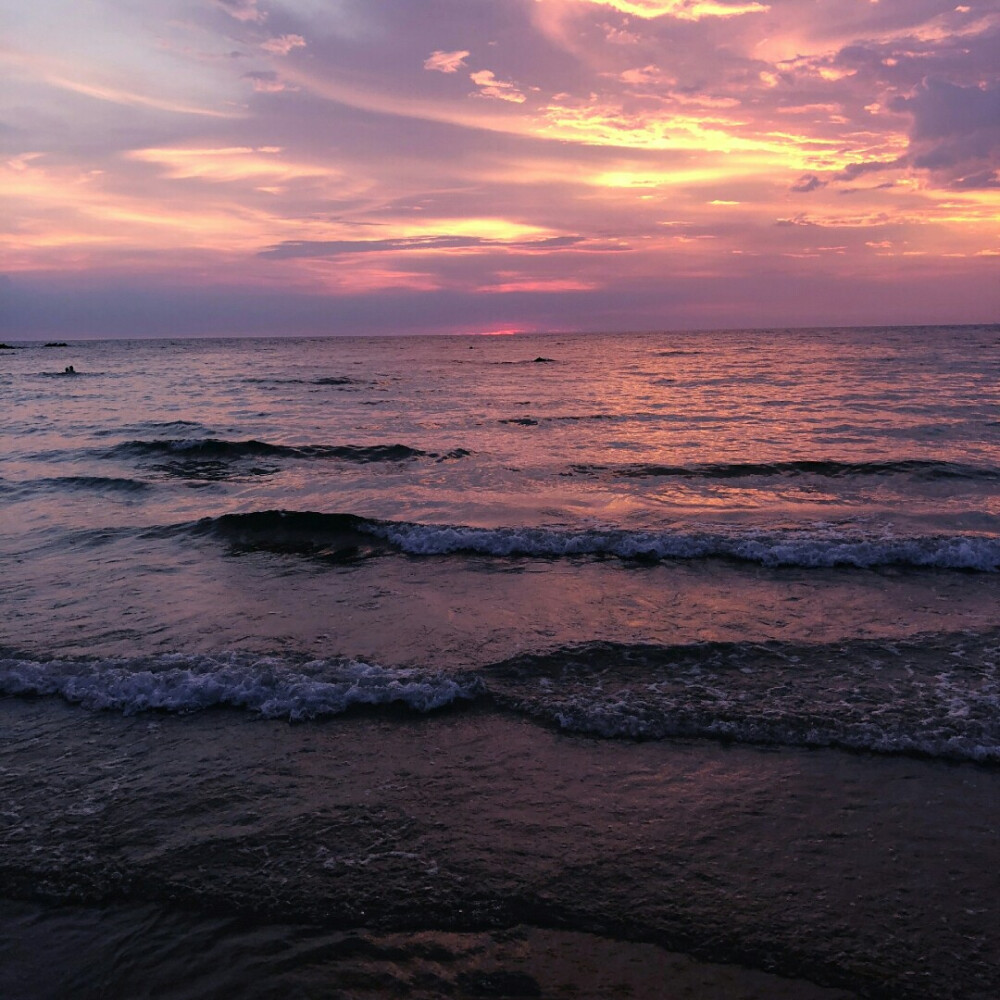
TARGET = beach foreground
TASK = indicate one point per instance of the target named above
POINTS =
(368, 855)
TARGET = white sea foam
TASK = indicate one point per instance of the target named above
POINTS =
(619, 717)
(858, 698)
(269, 686)
(816, 546)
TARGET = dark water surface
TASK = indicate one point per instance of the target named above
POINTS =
(462, 666)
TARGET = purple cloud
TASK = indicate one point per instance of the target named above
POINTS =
(808, 182)
(956, 131)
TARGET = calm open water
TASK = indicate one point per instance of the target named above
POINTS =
(689, 639)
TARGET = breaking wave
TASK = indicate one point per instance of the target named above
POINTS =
(272, 687)
(816, 546)
(937, 696)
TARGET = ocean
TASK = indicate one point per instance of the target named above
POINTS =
(647, 665)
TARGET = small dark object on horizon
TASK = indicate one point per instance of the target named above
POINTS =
(56, 343)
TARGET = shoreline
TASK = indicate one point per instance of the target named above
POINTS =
(222, 957)
(856, 872)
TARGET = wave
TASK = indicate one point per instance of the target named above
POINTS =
(336, 380)
(816, 546)
(915, 468)
(573, 418)
(935, 697)
(114, 483)
(331, 537)
(617, 417)
(146, 426)
(221, 449)
(271, 687)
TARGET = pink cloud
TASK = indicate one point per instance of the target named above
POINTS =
(243, 10)
(619, 36)
(446, 62)
(283, 44)
(267, 82)
(490, 86)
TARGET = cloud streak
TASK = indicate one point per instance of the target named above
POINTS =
(682, 10)
(336, 248)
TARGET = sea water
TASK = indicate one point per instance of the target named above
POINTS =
(710, 590)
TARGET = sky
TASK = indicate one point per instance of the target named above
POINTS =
(200, 167)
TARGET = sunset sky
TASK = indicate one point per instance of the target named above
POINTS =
(190, 167)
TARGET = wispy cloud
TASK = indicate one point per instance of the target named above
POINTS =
(490, 86)
(266, 81)
(116, 95)
(243, 10)
(422, 244)
(446, 62)
(281, 45)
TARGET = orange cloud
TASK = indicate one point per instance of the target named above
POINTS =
(683, 10)
(230, 163)
(540, 285)
(490, 86)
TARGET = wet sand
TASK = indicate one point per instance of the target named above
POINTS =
(873, 875)
(110, 955)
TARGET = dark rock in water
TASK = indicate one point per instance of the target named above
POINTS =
(56, 343)
(543, 361)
